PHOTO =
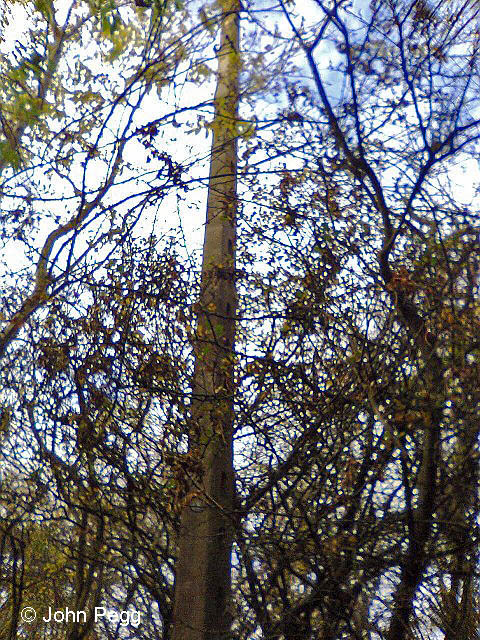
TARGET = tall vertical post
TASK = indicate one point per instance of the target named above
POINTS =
(203, 568)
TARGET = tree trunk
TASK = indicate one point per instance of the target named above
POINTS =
(202, 586)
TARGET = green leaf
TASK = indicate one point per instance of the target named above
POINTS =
(45, 7)
(9, 155)
(206, 21)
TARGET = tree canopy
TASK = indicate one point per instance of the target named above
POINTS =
(323, 341)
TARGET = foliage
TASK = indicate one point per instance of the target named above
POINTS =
(357, 353)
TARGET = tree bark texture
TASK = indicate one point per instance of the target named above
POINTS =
(202, 583)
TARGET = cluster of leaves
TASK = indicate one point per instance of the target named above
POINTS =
(357, 353)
